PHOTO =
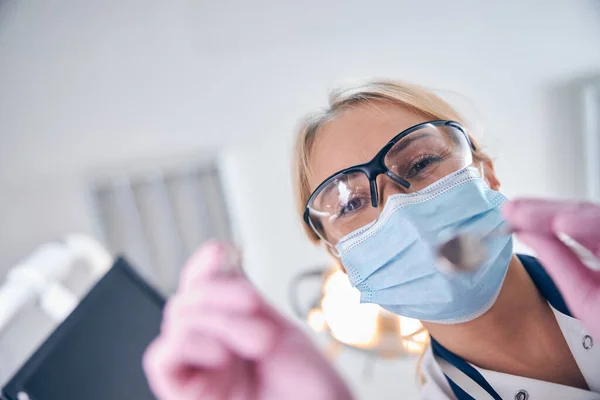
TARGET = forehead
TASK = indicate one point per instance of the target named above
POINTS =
(355, 135)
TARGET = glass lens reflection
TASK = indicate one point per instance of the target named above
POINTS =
(421, 158)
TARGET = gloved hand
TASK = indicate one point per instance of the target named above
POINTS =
(537, 224)
(221, 340)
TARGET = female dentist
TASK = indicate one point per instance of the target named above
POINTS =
(382, 176)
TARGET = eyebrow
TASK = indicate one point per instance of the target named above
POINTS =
(402, 144)
(406, 141)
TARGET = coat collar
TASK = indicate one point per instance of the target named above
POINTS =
(547, 288)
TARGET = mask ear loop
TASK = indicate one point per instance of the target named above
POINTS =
(332, 250)
(328, 246)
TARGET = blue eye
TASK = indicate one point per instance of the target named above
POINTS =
(354, 204)
(420, 165)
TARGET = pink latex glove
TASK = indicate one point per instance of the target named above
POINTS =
(221, 340)
(537, 223)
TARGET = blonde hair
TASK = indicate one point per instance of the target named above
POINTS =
(409, 96)
(412, 97)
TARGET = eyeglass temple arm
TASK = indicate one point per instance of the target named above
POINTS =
(462, 129)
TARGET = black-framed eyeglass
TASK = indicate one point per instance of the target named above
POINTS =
(413, 159)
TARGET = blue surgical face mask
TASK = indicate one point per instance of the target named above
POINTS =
(393, 261)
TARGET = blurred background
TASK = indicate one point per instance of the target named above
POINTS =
(155, 125)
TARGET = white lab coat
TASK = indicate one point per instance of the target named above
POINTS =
(583, 347)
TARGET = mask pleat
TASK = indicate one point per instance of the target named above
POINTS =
(393, 261)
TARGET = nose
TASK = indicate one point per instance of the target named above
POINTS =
(387, 187)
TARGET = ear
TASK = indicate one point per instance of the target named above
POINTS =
(486, 167)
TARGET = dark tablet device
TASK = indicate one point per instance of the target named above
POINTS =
(96, 353)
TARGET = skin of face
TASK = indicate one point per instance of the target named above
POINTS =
(355, 135)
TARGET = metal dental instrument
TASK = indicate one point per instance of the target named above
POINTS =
(466, 252)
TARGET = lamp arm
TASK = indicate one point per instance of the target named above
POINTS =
(294, 288)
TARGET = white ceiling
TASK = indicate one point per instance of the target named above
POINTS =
(86, 83)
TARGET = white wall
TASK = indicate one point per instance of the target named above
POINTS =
(87, 85)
